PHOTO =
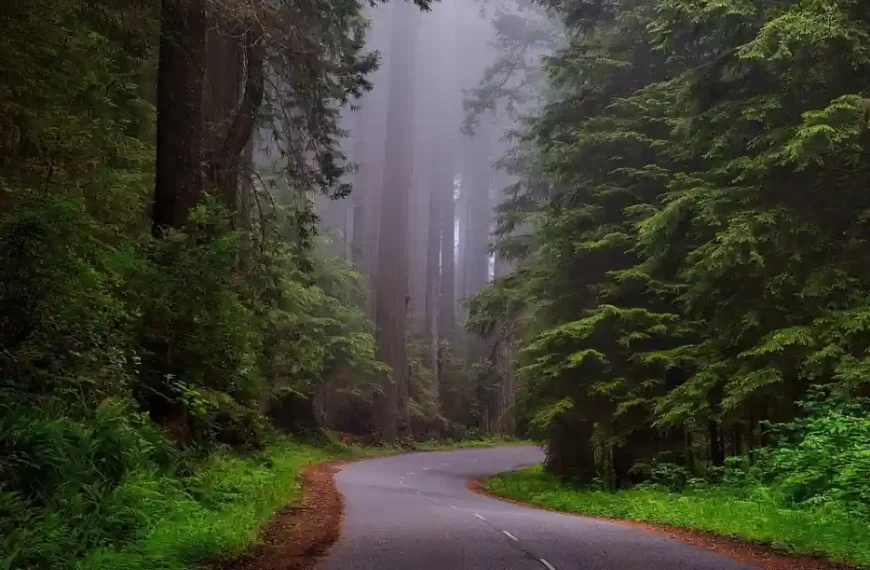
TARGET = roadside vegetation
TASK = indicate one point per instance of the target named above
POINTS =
(677, 304)
(808, 495)
(216, 513)
(169, 313)
(211, 515)
(690, 298)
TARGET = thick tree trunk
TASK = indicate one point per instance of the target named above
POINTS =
(368, 154)
(178, 178)
(236, 106)
(418, 240)
(358, 197)
(223, 83)
(392, 279)
(433, 278)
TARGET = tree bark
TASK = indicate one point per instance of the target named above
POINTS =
(433, 277)
(717, 445)
(392, 278)
(236, 111)
(178, 178)
(223, 83)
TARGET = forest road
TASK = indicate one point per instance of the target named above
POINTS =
(414, 512)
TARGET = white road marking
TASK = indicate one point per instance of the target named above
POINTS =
(510, 536)
(547, 564)
(480, 517)
(411, 473)
(454, 507)
(425, 469)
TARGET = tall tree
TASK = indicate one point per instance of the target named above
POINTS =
(477, 175)
(391, 284)
(441, 97)
(447, 287)
(178, 180)
(234, 90)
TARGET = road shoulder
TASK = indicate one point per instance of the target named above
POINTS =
(757, 555)
(301, 533)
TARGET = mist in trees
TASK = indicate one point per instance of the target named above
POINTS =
(427, 144)
(635, 231)
(684, 232)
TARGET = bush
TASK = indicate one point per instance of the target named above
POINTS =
(826, 458)
(126, 365)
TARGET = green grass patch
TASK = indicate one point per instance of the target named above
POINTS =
(471, 443)
(827, 530)
(219, 512)
(213, 515)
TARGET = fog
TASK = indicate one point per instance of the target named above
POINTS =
(428, 143)
(441, 73)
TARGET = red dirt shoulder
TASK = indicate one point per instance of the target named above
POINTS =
(300, 533)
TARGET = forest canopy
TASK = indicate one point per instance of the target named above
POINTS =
(635, 231)
(690, 229)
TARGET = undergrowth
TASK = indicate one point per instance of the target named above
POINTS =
(831, 530)
(219, 511)
(470, 443)
(213, 514)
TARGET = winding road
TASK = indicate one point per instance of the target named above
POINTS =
(414, 512)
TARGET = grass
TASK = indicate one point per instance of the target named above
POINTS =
(218, 513)
(471, 443)
(213, 515)
(829, 531)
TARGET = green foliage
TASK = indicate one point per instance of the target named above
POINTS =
(94, 336)
(807, 494)
(825, 530)
(213, 514)
(691, 226)
(133, 370)
(821, 458)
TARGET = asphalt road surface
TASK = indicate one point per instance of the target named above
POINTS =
(414, 512)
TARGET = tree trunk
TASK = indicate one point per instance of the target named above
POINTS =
(717, 447)
(462, 237)
(368, 154)
(235, 110)
(433, 278)
(478, 171)
(447, 313)
(178, 177)
(223, 82)
(392, 278)
(358, 198)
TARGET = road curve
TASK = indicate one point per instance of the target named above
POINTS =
(414, 512)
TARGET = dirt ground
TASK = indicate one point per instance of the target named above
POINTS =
(301, 533)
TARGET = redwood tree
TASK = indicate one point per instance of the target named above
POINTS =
(392, 276)
(178, 178)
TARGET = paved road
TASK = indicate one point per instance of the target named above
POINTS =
(413, 512)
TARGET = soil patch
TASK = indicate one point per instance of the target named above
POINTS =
(300, 533)
(756, 555)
